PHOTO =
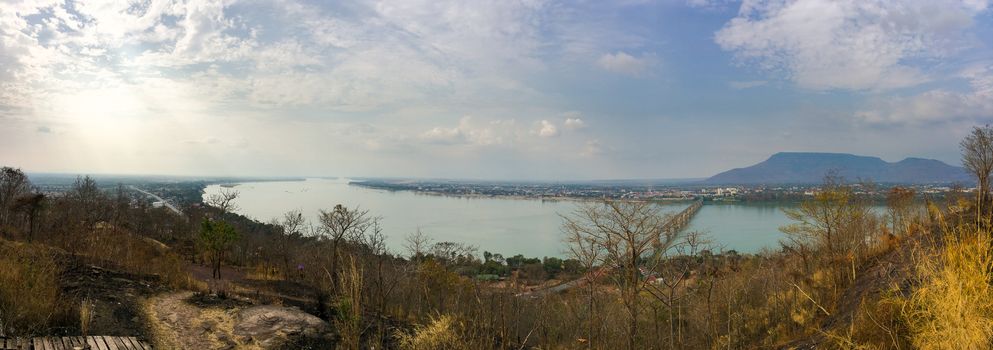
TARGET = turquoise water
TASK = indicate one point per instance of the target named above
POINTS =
(741, 227)
(500, 225)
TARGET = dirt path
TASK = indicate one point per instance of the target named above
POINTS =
(177, 324)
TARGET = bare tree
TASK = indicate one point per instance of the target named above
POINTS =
(417, 244)
(339, 225)
(837, 224)
(899, 206)
(977, 158)
(590, 254)
(670, 285)
(291, 225)
(13, 184)
(224, 200)
(31, 204)
(631, 235)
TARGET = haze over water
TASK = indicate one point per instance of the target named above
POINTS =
(500, 225)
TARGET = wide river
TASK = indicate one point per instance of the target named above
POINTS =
(507, 226)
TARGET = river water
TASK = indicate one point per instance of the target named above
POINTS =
(507, 226)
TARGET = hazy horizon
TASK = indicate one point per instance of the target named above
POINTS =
(421, 178)
(496, 90)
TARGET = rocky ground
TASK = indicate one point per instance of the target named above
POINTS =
(185, 320)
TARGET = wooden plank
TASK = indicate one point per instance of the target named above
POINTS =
(92, 342)
(141, 344)
(144, 345)
(137, 343)
(63, 343)
(128, 344)
(110, 343)
(122, 343)
(106, 344)
(100, 345)
(78, 341)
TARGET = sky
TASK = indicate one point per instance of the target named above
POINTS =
(502, 89)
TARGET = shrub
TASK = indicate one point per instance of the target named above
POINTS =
(139, 255)
(439, 333)
(953, 308)
(29, 297)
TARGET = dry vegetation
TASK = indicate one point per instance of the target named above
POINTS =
(848, 277)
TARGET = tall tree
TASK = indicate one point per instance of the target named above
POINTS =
(631, 235)
(900, 207)
(224, 200)
(216, 236)
(977, 158)
(340, 224)
(13, 184)
(836, 223)
(30, 205)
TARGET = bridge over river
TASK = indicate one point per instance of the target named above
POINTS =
(675, 224)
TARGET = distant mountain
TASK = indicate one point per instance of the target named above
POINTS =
(804, 168)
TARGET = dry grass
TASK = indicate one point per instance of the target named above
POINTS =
(85, 316)
(953, 308)
(439, 333)
(29, 297)
(140, 255)
(265, 272)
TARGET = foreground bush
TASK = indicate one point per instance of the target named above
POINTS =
(29, 297)
(440, 333)
(953, 308)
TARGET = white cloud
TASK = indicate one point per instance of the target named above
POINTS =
(472, 131)
(574, 123)
(850, 44)
(623, 63)
(937, 105)
(547, 129)
(111, 78)
(592, 148)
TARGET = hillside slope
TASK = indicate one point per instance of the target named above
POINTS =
(804, 167)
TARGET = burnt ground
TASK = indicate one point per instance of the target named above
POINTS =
(238, 286)
(115, 296)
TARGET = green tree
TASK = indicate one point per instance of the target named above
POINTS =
(216, 236)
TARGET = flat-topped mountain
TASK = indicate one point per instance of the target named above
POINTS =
(809, 167)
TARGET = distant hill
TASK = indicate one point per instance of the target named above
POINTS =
(804, 168)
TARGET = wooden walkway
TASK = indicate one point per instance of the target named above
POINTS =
(69, 343)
